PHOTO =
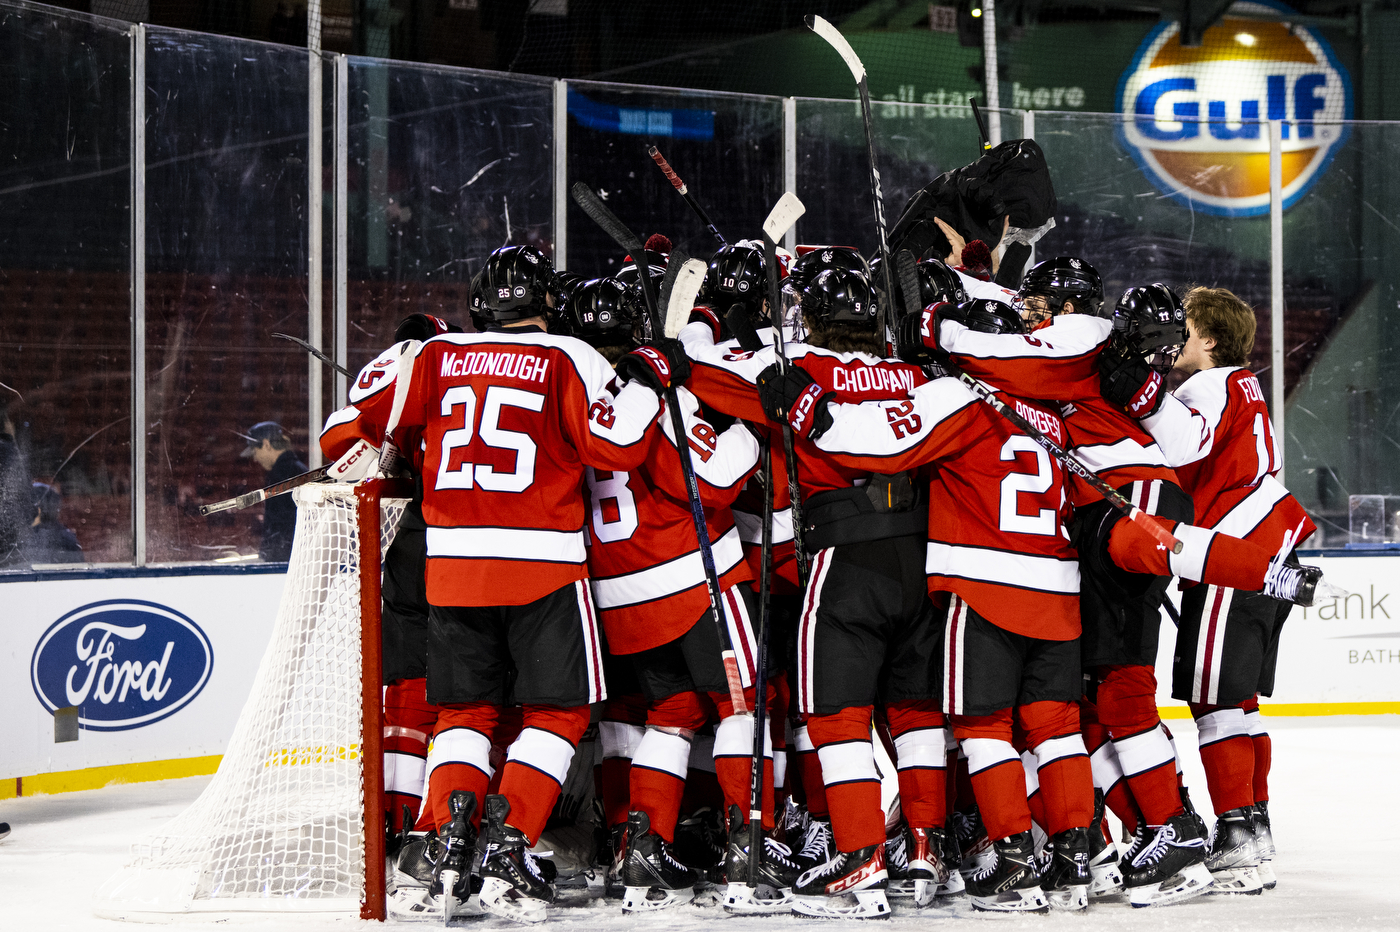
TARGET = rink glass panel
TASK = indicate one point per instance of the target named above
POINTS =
(728, 148)
(226, 261)
(65, 327)
(445, 165)
(914, 144)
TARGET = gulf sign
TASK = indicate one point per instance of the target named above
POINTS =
(1194, 116)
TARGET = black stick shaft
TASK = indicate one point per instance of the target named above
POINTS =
(263, 494)
(760, 702)
(981, 124)
(684, 190)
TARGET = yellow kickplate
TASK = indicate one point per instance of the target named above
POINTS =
(92, 778)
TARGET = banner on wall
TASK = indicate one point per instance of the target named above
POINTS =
(157, 667)
(1195, 113)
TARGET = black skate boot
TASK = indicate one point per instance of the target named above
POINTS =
(1170, 866)
(1010, 883)
(1233, 859)
(415, 872)
(898, 884)
(652, 878)
(851, 885)
(973, 844)
(817, 844)
(927, 870)
(1264, 844)
(1190, 808)
(1107, 879)
(776, 872)
(1065, 876)
(452, 887)
(512, 883)
(1298, 584)
(952, 856)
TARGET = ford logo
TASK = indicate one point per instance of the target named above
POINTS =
(124, 663)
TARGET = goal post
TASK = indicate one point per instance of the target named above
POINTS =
(293, 820)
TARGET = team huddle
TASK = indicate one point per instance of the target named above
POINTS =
(877, 518)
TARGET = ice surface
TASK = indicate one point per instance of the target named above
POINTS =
(1336, 814)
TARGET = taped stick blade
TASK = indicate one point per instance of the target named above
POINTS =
(837, 41)
(783, 215)
(683, 293)
(586, 198)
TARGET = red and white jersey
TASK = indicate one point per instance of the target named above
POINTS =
(997, 503)
(1215, 430)
(648, 579)
(980, 288)
(1059, 362)
(727, 379)
(507, 422)
(346, 426)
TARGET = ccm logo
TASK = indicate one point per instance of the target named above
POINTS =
(1149, 391)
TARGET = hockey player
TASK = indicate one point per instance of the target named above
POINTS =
(861, 544)
(1125, 573)
(1009, 651)
(1215, 431)
(651, 592)
(508, 419)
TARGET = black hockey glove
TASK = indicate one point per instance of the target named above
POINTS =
(1126, 379)
(918, 334)
(658, 364)
(792, 396)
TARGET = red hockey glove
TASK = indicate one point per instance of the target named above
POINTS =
(792, 395)
(1126, 379)
(703, 314)
(659, 365)
(918, 334)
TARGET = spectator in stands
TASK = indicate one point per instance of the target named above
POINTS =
(269, 447)
(49, 540)
(14, 496)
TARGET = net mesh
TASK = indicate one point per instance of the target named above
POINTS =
(280, 825)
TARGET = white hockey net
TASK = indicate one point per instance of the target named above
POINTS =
(280, 827)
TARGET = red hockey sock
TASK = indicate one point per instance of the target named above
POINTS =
(920, 755)
(1227, 754)
(617, 789)
(847, 755)
(998, 778)
(408, 723)
(459, 758)
(734, 764)
(1034, 800)
(809, 768)
(538, 762)
(1127, 706)
(1062, 764)
(662, 759)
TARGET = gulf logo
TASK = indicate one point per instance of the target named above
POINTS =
(1194, 113)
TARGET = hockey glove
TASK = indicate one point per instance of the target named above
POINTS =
(1126, 379)
(792, 396)
(355, 464)
(703, 314)
(918, 334)
(659, 365)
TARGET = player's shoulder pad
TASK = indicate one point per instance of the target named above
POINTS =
(1209, 388)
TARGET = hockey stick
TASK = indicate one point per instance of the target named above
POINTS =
(262, 495)
(317, 353)
(674, 263)
(684, 192)
(780, 219)
(981, 125)
(683, 293)
(909, 276)
(838, 42)
(783, 215)
(626, 239)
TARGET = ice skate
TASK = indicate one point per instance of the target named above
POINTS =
(512, 883)
(818, 844)
(701, 842)
(1170, 867)
(1233, 859)
(1010, 882)
(899, 885)
(974, 846)
(776, 872)
(851, 885)
(452, 880)
(954, 886)
(1064, 869)
(927, 871)
(1106, 878)
(1264, 845)
(651, 877)
(1302, 585)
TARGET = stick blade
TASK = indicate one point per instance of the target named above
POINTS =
(588, 199)
(683, 293)
(783, 215)
(837, 41)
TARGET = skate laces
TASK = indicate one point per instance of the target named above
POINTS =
(897, 852)
(778, 852)
(1165, 839)
(816, 844)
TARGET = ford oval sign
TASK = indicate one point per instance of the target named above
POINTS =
(124, 663)
(1195, 117)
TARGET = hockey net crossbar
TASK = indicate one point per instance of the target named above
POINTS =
(293, 820)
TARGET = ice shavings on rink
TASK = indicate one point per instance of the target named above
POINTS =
(1335, 809)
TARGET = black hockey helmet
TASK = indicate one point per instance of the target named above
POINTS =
(985, 315)
(627, 274)
(839, 296)
(474, 303)
(515, 284)
(604, 312)
(937, 283)
(1150, 320)
(423, 327)
(736, 274)
(807, 266)
(1064, 278)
